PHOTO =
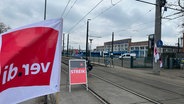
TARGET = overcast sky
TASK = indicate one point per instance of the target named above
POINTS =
(126, 18)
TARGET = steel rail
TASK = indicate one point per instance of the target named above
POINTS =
(128, 90)
(146, 83)
(97, 95)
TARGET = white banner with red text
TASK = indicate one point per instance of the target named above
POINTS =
(30, 61)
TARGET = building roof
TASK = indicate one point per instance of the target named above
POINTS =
(141, 43)
(118, 41)
(100, 46)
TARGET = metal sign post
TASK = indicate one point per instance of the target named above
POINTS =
(77, 72)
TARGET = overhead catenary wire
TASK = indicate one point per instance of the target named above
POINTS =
(109, 9)
(171, 15)
(71, 8)
(165, 6)
(175, 9)
(143, 29)
(114, 3)
(145, 2)
(104, 11)
(125, 28)
(177, 17)
(85, 16)
(65, 8)
(138, 25)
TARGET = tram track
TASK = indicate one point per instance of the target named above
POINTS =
(118, 86)
(142, 82)
(128, 90)
(173, 92)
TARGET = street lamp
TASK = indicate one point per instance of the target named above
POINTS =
(87, 38)
(90, 43)
(92, 36)
(67, 45)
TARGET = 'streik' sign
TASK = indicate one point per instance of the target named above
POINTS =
(77, 72)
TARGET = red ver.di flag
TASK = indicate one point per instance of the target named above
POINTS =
(30, 61)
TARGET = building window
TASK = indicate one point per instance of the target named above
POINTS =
(142, 48)
(136, 48)
(132, 48)
(122, 45)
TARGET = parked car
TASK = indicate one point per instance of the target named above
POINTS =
(127, 55)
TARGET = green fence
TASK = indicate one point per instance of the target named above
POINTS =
(126, 62)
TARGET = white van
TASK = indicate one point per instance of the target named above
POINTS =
(127, 55)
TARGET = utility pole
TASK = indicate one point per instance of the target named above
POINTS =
(79, 49)
(112, 44)
(157, 35)
(87, 34)
(67, 45)
(178, 45)
(112, 48)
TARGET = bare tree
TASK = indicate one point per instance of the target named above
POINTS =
(3, 27)
(181, 3)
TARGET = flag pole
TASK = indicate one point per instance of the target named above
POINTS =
(57, 98)
(46, 102)
(45, 9)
